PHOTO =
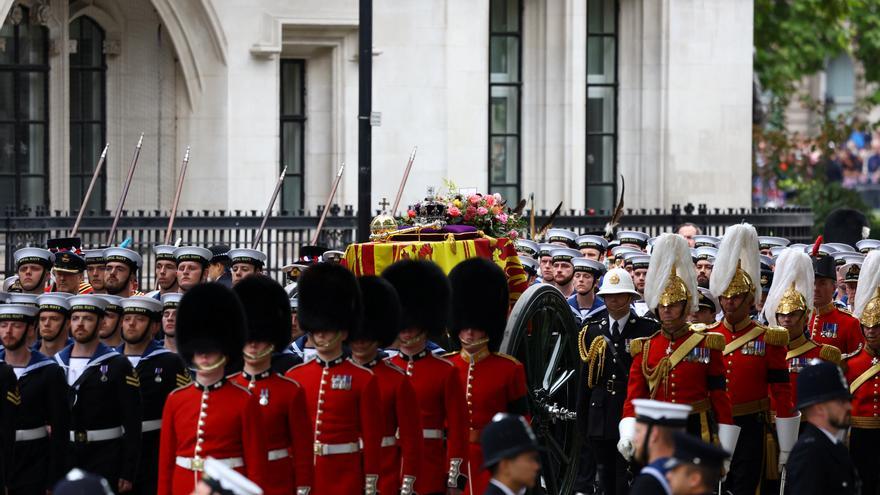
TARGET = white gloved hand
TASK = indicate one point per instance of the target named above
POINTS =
(728, 435)
(783, 460)
(786, 434)
(627, 429)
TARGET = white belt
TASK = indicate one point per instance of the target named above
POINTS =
(31, 434)
(389, 441)
(96, 435)
(277, 454)
(198, 463)
(337, 448)
(434, 434)
(151, 425)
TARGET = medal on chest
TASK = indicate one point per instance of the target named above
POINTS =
(754, 348)
(626, 344)
(158, 378)
(341, 382)
(264, 397)
(104, 369)
(829, 330)
(795, 365)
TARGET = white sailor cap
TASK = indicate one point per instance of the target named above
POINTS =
(28, 255)
(590, 241)
(529, 264)
(564, 236)
(123, 255)
(632, 237)
(565, 254)
(249, 256)
(193, 253)
(94, 256)
(618, 251)
(706, 240)
(590, 266)
(218, 473)
(527, 246)
(111, 302)
(22, 298)
(142, 305)
(294, 303)
(164, 252)
(639, 261)
(332, 256)
(767, 242)
(544, 249)
(843, 258)
(705, 253)
(841, 247)
(87, 302)
(171, 300)
(17, 312)
(866, 245)
(661, 413)
(58, 302)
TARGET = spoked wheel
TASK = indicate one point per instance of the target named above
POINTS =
(542, 333)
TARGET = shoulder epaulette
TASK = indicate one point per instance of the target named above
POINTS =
(507, 356)
(714, 325)
(698, 327)
(845, 311)
(830, 353)
(777, 336)
(635, 346)
(715, 341)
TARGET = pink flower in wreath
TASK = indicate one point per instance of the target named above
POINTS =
(474, 199)
(490, 200)
(513, 234)
(482, 211)
(454, 212)
(411, 213)
(471, 211)
(501, 217)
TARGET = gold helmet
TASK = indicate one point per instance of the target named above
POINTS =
(792, 288)
(867, 305)
(671, 276)
(675, 291)
(870, 317)
(737, 265)
(791, 301)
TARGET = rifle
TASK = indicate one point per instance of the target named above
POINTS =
(327, 204)
(409, 164)
(173, 213)
(134, 160)
(269, 208)
(82, 209)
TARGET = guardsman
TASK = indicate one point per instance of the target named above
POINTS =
(757, 372)
(159, 370)
(212, 417)
(32, 267)
(820, 462)
(68, 270)
(681, 363)
(563, 269)
(268, 308)
(165, 271)
(111, 323)
(604, 345)
(192, 266)
(170, 302)
(831, 324)
(493, 382)
(42, 425)
(95, 268)
(122, 270)
(282, 400)
(104, 399)
(340, 395)
(788, 306)
(593, 247)
(401, 429)
(584, 302)
(53, 324)
(863, 374)
(246, 262)
(512, 455)
(425, 306)
(655, 424)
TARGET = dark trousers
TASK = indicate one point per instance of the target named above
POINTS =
(863, 445)
(611, 467)
(33, 489)
(147, 479)
(747, 465)
(586, 481)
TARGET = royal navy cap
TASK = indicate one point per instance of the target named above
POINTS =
(767, 242)
(527, 246)
(619, 251)
(843, 258)
(866, 245)
(565, 254)
(705, 253)
(708, 300)
(17, 312)
(123, 255)
(58, 302)
(841, 247)
(589, 241)
(164, 252)
(590, 266)
(639, 261)
(141, 305)
(111, 302)
(661, 413)
(88, 302)
(22, 298)
(193, 253)
(633, 237)
(170, 300)
(564, 236)
(94, 256)
(332, 256)
(701, 240)
(39, 256)
(544, 249)
(248, 256)
(529, 264)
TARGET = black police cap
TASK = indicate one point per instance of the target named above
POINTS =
(822, 381)
(505, 437)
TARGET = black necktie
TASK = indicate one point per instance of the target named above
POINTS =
(615, 329)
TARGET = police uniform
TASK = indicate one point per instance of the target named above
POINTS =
(424, 297)
(831, 324)
(221, 420)
(40, 436)
(105, 408)
(506, 437)
(493, 382)
(281, 399)
(401, 429)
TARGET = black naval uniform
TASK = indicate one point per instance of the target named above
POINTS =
(106, 396)
(160, 371)
(817, 465)
(600, 408)
(10, 400)
(284, 360)
(41, 438)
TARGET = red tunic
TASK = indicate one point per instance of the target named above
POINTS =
(231, 430)
(695, 379)
(401, 429)
(289, 444)
(493, 383)
(866, 398)
(442, 404)
(340, 398)
(834, 326)
(800, 352)
(757, 370)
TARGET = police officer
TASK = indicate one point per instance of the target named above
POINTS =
(192, 266)
(655, 423)
(493, 382)
(95, 268)
(41, 439)
(604, 345)
(120, 278)
(512, 455)
(695, 467)
(104, 399)
(401, 429)
(159, 370)
(32, 267)
(820, 462)
(211, 417)
(170, 302)
(282, 400)
(245, 262)
(218, 265)
(53, 323)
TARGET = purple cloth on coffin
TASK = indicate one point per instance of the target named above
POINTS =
(449, 229)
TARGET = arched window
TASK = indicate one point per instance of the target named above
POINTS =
(24, 112)
(88, 111)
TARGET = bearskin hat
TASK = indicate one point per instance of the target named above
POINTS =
(480, 299)
(329, 299)
(210, 318)
(424, 295)
(381, 311)
(845, 225)
(266, 310)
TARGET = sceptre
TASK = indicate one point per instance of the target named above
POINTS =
(409, 164)
(173, 213)
(82, 209)
(134, 160)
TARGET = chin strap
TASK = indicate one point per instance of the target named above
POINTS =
(256, 357)
(220, 362)
(332, 342)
